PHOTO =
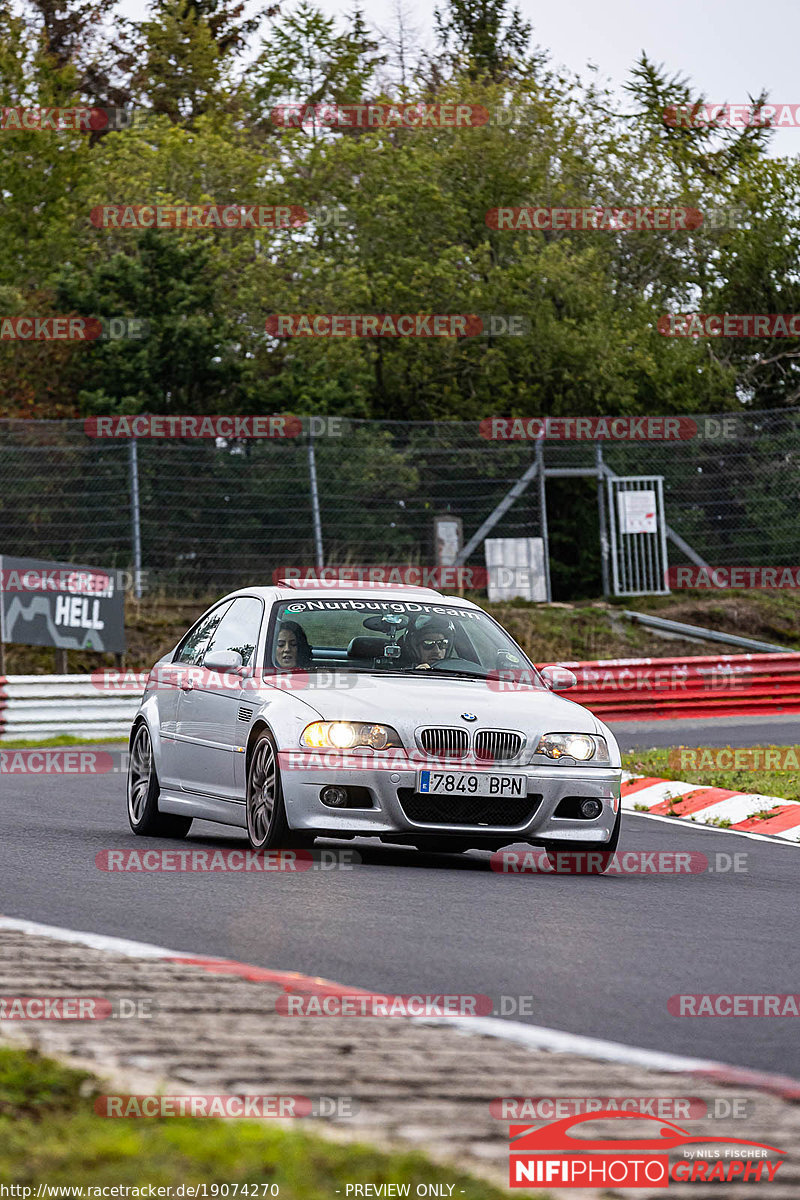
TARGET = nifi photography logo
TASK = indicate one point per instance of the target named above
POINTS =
(557, 1156)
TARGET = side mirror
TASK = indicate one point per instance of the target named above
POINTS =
(558, 679)
(227, 661)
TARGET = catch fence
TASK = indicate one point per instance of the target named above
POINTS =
(210, 513)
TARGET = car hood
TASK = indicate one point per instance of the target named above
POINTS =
(408, 703)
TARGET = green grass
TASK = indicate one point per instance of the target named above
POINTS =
(784, 784)
(50, 1134)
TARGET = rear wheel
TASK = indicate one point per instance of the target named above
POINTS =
(585, 858)
(143, 792)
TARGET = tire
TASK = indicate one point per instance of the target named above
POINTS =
(582, 865)
(267, 827)
(143, 792)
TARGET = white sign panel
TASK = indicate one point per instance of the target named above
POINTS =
(448, 540)
(515, 567)
(637, 512)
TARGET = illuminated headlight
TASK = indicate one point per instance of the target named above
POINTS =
(349, 735)
(583, 747)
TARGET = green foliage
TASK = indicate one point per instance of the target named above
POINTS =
(50, 1134)
(398, 222)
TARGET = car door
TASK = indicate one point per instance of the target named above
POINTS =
(209, 729)
(172, 678)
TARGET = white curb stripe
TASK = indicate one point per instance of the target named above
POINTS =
(534, 1036)
(736, 808)
(741, 806)
(656, 793)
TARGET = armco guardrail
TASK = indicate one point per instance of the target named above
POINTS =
(104, 704)
(44, 706)
(703, 686)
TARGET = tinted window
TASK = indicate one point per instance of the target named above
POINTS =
(366, 633)
(194, 646)
(238, 629)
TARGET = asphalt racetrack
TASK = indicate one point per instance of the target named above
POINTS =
(596, 955)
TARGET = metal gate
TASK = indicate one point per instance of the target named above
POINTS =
(638, 535)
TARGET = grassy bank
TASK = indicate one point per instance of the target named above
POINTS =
(50, 1134)
(547, 632)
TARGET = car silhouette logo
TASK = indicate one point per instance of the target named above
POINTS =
(557, 1135)
(469, 716)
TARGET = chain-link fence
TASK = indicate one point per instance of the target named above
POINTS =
(218, 513)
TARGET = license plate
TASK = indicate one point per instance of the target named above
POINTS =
(450, 783)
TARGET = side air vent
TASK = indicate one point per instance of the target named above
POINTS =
(245, 714)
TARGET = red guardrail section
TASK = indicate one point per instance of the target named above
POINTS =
(645, 689)
(705, 686)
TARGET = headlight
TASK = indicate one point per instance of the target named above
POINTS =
(347, 735)
(580, 746)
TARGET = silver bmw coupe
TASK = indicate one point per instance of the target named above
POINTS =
(300, 711)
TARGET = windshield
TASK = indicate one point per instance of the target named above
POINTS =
(390, 636)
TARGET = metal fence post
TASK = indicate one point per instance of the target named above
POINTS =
(315, 513)
(136, 528)
(601, 512)
(543, 518)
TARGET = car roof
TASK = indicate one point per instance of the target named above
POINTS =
(295, 590)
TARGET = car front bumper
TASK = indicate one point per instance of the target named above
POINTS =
(389, 792)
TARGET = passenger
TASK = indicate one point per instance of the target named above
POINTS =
(428, 644)
(292, 648)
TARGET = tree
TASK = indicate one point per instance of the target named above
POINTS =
(485, 36)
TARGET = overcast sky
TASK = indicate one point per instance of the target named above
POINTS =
(728, 48)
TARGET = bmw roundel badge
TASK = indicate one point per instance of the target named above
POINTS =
(469, 716)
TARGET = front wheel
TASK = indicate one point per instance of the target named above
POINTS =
(585, 858)
(267, 827)
(143, 792)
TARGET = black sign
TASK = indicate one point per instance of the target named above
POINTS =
(61, 604)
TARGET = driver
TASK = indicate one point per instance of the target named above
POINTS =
(426, 645)
(292, 648)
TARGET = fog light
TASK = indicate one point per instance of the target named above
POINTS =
(591, 809)
(334, 797)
